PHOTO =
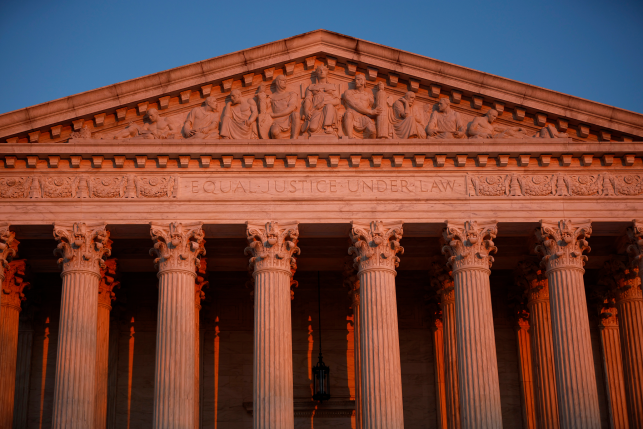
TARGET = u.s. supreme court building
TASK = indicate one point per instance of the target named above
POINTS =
(178, 250)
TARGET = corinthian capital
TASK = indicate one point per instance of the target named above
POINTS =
(14, 283)
(82, 246)
(441, 279)
(531, 279)
(8, 247)
(376, 245)
(619, 281)
(108, 282)
(635, 236)
(470, 245)
(562, 244)
(272, 246)
(177, 246)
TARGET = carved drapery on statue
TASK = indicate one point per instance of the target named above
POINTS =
(177, 246)
(82, 246)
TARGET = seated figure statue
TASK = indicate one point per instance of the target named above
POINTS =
(203, 121)
(550, 132)
(154, 127)
(482, 128)
(320, 103)
(238, 122)
(286, 121)
(446, 123)
(407, 119)
(359, 108)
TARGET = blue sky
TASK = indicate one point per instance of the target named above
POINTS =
(591, 49)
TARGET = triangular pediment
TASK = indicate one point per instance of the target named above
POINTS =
(104, 112)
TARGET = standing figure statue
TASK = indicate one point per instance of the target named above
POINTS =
(359, 108)
(154, 127)
(408, 120)
(320, 103)
(286, 121)
(239, 118)
(482, 128)
(446, 123)
(203, 121)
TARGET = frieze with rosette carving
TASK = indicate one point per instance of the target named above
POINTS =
(376, 245)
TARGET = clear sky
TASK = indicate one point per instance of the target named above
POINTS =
(588, 48)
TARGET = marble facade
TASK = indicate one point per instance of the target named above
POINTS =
(457, 209)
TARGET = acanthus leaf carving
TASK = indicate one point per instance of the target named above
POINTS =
(201, 283)
(177, 246)
(635, 248)
(15, 187)
(618, 281)
(15, 283)
(376, 245)
(563, 243)
(272, 246)
(8, 246)
(531, 287)
(155, 186)
(108, 283)
(82, 246)
(470, 245)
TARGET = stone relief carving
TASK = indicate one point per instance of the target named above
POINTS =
(271, 246)
(129, 186)
(360, 110)
(284, 121)
(320, 105)
(407, 118)
(177, 246)
(376, 245)
(203, 121)
(470, 245)
(82, 246)
(558, 184)
(15, 283)
(239, 118)
(446, 123)
(482, 128)
(562, 244)
(154, 127)
(84, 133)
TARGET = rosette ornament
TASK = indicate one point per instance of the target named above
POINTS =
(562, 245)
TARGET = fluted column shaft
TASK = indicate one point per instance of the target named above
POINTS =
(438, 359)
(613, 369)
(175, 345)
(450, 359)
(577, 394)
(526, 379)
(543, 359)
(23, 373)
(630, 321)
(477, 364)
(75, 385)
(9, 320)
(272, 375)
(102, 356)
(358, 361)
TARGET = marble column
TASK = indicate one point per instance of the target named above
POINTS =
(105, 296)
(525, 366)
(531, 279)
(12, 295)
(200, 284)
(562, 245)
(630, 316)
(613, 368)
(8, 249)
(468, 247)
(375, 248)
(442, 280)
(81, 248)
(272, 247)
(437, 328)
(351, 279)
(178, 248)
(23, 370)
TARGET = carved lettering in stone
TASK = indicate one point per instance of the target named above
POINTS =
(376, 245)
(239, 118)
(446, 123)
(272, 246)
(14, 283)
(563, 243)
(177, 246)
(108, 282)
(203, 121)
(320, 105)
(470, 245)
(82, 246)
(15, 187)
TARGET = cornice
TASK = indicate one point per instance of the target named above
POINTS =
(342, 48)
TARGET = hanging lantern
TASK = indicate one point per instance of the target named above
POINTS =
(321, 373)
